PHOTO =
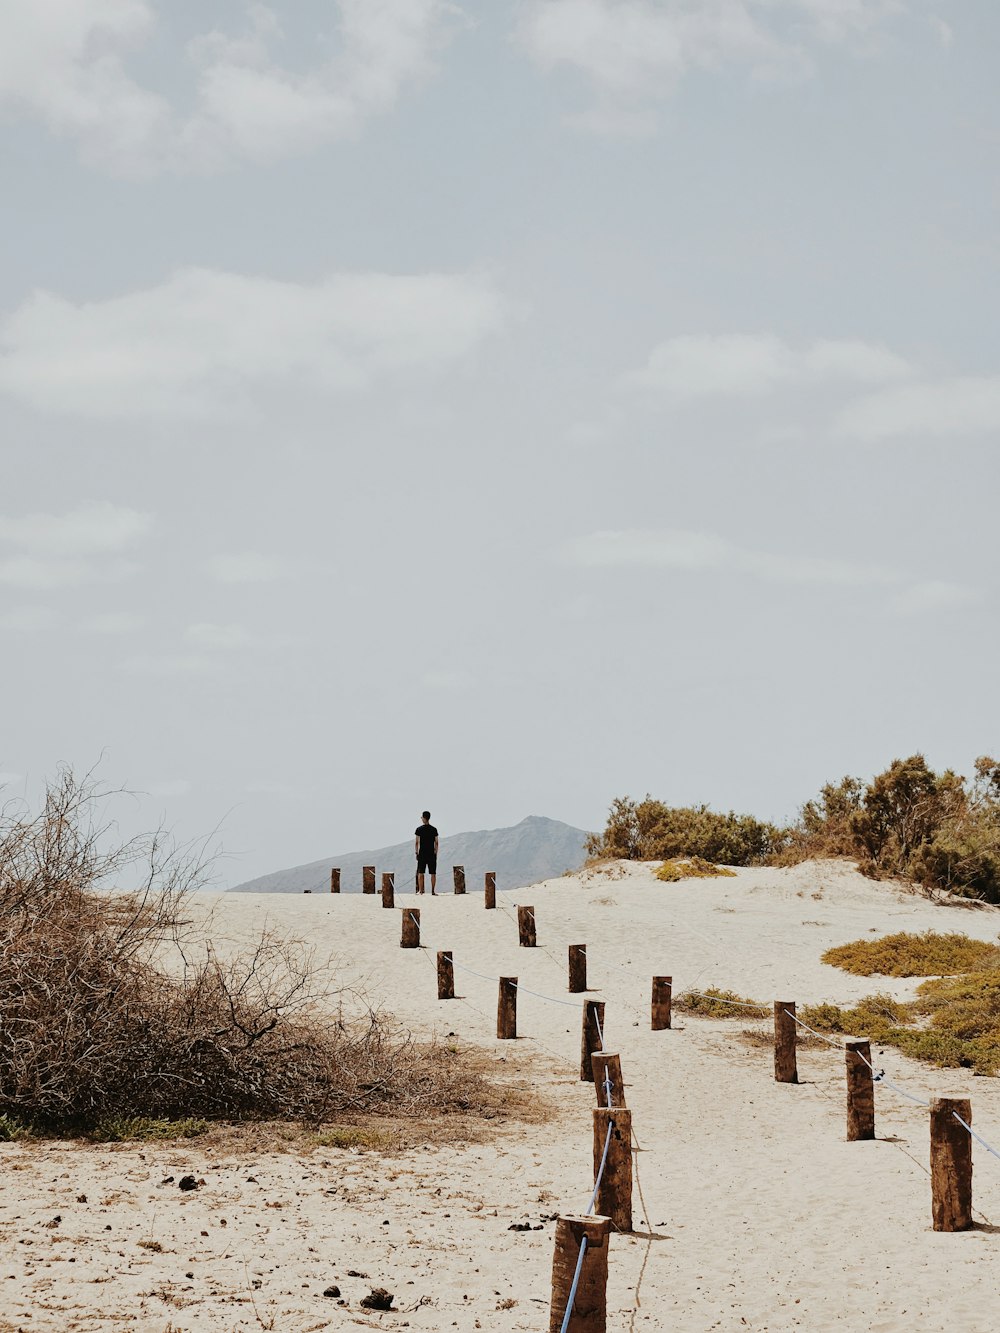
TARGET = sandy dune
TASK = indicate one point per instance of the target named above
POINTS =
(755, 1214)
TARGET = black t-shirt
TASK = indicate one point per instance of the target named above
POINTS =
(426, 833)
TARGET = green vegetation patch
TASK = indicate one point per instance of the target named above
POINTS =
(716, 1003)
(132, 1128)
(906, 955)
(690, 867)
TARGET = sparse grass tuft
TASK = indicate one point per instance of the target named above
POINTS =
(691, 867)
(135, 1128)
(715, 1003)
(352, 1136)
(13, 1130)
(876, 1016)
(906, 955)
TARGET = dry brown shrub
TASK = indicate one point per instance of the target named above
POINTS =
(112, 1004)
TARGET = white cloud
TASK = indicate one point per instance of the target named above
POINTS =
(204, 342)
(700, 552)
(169, 787)
(217, 636)
(114, 622)
(94, 529)
(447, 679)
(636, 51)
(246, 567)
(67, 550)
(66, 62)
(24, 571)
(27, 619)
(935, 595)
(751, 365)
(168, 664)
(967, 405)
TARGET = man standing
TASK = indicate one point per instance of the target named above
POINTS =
(425, 844)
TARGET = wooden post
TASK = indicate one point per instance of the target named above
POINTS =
(507, 1009)
(458, 875)
(590, 1311)
(446, 975)
(490, 889)
(388, 888)
(367, 879)
(591, 1037)
(860, 1090)
(526, 927)
(608, 1079)
(577, 968)
(785, 1070)
(614, 1193)
(951, 1164)
(335, 879)
(410, 938)
(662, 998)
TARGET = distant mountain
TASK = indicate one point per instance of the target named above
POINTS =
(535, 849)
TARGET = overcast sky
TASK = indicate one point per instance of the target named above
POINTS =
(494, 406)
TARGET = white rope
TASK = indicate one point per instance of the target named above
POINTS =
(600, 1173)
(597, 1021)
(576, 1282)
(976, 1136)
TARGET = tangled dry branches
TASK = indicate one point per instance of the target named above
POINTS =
(111, 1004)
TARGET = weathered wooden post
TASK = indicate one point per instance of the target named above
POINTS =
(367, 879)
(446, 975)
(388, 888)
(951, 1164)
(458, 875)
(490, 889)
(592, 1036)
(613, 1136)
(608, 1079)
(577, 968)
(507, 1009)
(785, 1069)
(661, 1006)
(410, 938)
(860, 1090)
(526, 927)
(590, 1310)
(335, 879)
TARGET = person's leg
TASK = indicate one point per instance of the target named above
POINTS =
(420, 881)
(434, 880)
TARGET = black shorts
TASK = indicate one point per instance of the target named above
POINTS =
(427, 862)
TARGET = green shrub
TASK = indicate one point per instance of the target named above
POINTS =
(690, 867)
(13, 1130)
(906, 955)
(715, 1003)
(939, 830)
(648, 830)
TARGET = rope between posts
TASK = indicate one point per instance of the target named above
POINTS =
(977, 1137)
(600, 1174)
(597, 1024)
(576, 1282)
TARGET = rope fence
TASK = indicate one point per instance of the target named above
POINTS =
(581, 1248)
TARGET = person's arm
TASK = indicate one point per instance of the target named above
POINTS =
(416, 846)
(437, 842)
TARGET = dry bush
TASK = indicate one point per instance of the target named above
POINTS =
(112, 1007)
(691, 867)
(908, 955)
(716, 1003)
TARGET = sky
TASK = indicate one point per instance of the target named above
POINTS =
(493, 407)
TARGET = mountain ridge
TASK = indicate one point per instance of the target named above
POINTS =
(536, 848)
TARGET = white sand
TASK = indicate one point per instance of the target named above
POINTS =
(759, 1216)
